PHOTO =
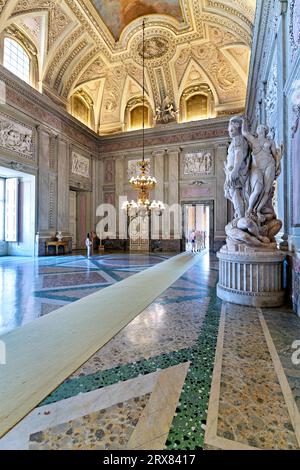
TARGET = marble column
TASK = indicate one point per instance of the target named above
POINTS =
(173, 196)
(44, 181)
(173, 175)
(159, 163)
(63, 186)
(221, 216)
(284, 134)
(119, 185)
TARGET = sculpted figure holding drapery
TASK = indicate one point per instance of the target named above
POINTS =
(252, 166)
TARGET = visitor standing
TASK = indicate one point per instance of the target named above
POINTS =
(88, 245)
(193, 241)
(198, 241)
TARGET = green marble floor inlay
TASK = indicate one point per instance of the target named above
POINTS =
(188, 427)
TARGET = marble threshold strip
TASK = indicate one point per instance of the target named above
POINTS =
(42, 354)
(211, 437)
(284, 384)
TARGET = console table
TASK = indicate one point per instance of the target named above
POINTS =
(56, 244)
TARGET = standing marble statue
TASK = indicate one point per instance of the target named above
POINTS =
(237, 167)
(250, 265)
(249, 185)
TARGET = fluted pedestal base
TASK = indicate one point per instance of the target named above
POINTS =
(249, 277)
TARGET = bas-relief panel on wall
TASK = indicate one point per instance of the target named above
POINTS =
(198, 163)
(294, 27)
(117, 14)
(80, 165)
(271, 100)
(16, 137)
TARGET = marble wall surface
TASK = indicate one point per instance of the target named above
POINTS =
(187, 161)
(274, 99)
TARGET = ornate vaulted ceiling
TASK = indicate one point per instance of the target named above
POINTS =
(95, 46)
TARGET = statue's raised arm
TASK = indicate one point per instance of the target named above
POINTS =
(246, 133)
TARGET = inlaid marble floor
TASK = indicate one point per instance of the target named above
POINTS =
(30, 288)
(187, 373)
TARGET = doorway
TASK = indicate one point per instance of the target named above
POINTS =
(197, 226)
(80, 217)
(17, 213)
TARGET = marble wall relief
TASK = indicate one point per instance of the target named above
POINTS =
(16, 137)
(296, 167)
(271, 99)
(80, 165)
(198, 163)
(294, 27)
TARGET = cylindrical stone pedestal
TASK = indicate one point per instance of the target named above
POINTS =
(253, 278)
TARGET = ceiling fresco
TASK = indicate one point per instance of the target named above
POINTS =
(117, 14)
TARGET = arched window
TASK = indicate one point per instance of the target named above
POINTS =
(197, 102)
(82, 108)
(136, 117)
(16, 59)
(197, 107)
(133, 116)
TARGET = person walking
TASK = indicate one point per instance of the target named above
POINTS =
(88, 245)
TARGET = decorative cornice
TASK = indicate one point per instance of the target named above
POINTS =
(171, 134)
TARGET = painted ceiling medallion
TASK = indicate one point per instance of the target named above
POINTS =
(154, 48)
(117, 14)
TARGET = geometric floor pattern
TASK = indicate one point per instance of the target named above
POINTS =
(134, 414)
(35, 287)
(189, 372)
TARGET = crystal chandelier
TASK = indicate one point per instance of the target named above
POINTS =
(143, 183)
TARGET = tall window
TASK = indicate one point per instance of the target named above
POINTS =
(80, 110)
(196, 107)
(2, 209)
(136, 117)
(16, 59)
(9, 209)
